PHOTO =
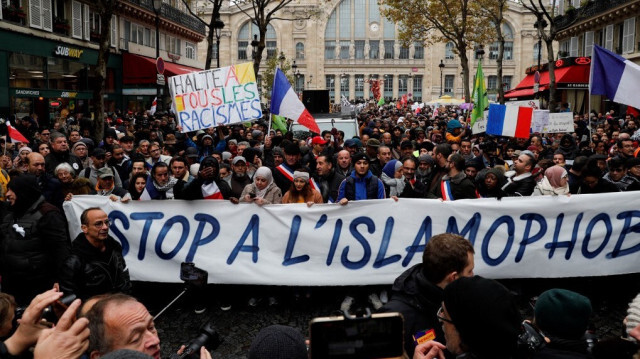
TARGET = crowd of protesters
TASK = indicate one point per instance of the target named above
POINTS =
(428, 153)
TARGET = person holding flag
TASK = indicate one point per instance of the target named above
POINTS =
(480, 99)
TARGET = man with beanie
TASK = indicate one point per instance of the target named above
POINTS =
(34, 243)
(562, 316)
(361, 183)
(418, 292)
(480, 320)
(278, 342)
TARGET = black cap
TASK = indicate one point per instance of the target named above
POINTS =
(292, 149)
(359, 156)
(191, 152)
(127, 138)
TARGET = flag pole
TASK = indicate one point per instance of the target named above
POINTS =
(589, 96)
(270, 121)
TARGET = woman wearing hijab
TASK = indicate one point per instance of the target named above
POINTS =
(392, 178)
(263, 190)
(301, 191)
(554, 183)
(490, 183)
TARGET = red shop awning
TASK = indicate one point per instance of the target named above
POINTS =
(569, 74)
(142, 70)
(522, 92)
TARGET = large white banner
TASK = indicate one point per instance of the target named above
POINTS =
(371, 242)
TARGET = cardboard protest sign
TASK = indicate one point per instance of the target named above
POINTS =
(215, 97)
(559, 122)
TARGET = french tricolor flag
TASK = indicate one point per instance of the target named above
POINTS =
(15, 135)
(511, 121)
(285, 102)
(615, 77)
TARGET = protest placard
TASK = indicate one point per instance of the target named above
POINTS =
(370, 242)
(559, 122)
(540, 120)
(215, 97)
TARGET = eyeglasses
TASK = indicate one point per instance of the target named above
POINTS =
(100, 224)
(441, 317)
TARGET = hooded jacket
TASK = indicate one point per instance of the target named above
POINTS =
(358, 188)
(418, 301)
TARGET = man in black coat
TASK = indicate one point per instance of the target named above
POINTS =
(327, 178)
(418, 292)
(520, 182)
(96, 265)
(208, 184)
(60, 153)
(34, 241)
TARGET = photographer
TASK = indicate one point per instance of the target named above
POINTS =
(69, 338)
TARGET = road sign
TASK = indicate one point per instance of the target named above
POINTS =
(160, 65)
(536, 87)
(160, 79)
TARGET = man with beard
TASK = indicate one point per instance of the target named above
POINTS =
(34, 243)
(121, 163)
(455, 184)
(239, 178)
(208, 184)
(60, 153)
(412, 187)
(327, 178)
(440, 154)
(98, 161)
(96, 265)
(423, 173)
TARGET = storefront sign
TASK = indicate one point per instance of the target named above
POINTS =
(68, 52)
(51, 94)
(30, 93)
(67, 94)
(571, 86)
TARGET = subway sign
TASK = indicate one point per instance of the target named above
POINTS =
(68, 52)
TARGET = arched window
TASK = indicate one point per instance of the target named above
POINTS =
(300, 51)
(494, 48)
(245, 36)
(448, 51)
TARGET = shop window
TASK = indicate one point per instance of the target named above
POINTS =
(26, 71)
(66, 75)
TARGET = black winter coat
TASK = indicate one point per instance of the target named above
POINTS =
(520, 187)
(418, 301)
(89, 271)
(29, 264)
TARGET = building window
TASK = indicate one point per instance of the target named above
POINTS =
(536, 52)
(272, 49)
(329, 50)
(448, 51)
(190, 50)
(388, 49)
(404, 52)
(344, 86)
(628, 32)
(174, 45)
(419, 51)
(494, 48)
(506, 82)
(40, 14)
(214, 51)
(374, 49)
(417, 88)
(359, 86)
(448, 84)
(344, 49)
(403, 84)
(492, 82)
(245, 36)
(330, 84)
(359, 49)
(388, 87)
(299, 87)
(299, 51)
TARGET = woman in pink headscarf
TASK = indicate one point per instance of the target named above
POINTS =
(554, 183)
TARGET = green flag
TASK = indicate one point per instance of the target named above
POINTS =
(480, 100)
(381, 101)
(279, 123)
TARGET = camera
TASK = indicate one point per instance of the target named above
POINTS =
(208, 338)
(530, 338)
(48, 314)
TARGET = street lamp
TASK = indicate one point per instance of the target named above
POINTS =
(157, 7)
(281, 59)
(441, 66)
(217, 26)
(539, 25)
(254, 46)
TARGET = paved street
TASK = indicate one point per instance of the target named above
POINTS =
(238, 326)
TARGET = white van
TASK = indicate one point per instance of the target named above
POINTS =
(347, 125)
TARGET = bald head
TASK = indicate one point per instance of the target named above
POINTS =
(36, 163)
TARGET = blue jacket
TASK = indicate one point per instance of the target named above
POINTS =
(360, 184)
